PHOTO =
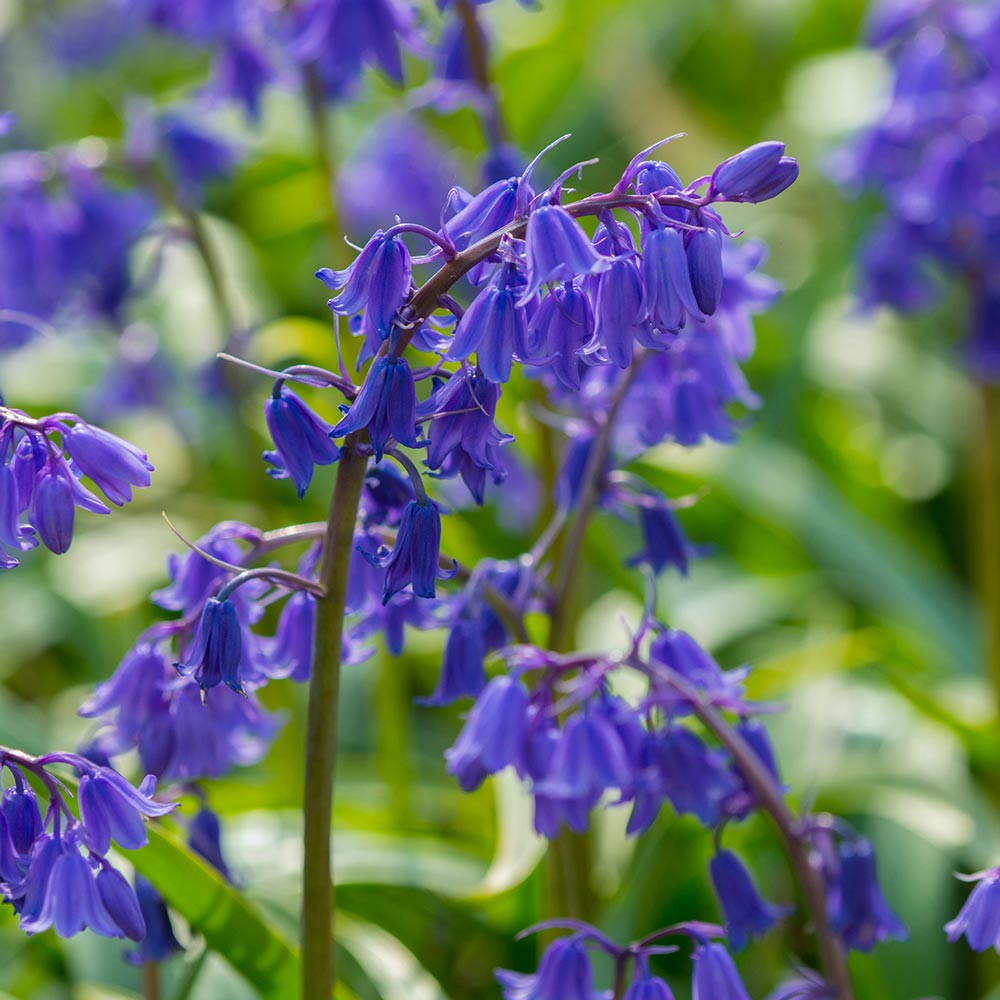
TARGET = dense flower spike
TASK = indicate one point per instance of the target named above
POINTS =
(934, 145)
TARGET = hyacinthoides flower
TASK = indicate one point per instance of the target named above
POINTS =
(53, 866)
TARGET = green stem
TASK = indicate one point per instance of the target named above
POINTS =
(321, 732)
(984, 536)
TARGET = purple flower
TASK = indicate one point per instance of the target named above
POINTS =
(463, 437)
(301, 439)
(618, 313)
(292, 650)
(557, 249)
(564, 973)
(216, 649)
(111, 809)
(378, 281)
(52, 507)
(704, 254)
(493, 734)
(668, 297)
(386, 406)
(110, 462)
(561, 327)
(665, 543)
(647, 987)
(495, 326)
(715, 975)
(415, 557)
(756, 174)
(462, 671)
(485, 213)
(205, 839)
(747, 914)
(159, 942)
(979, 918)
(195, 156)
(858, 910)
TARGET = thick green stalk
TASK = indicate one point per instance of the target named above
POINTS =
(321, 732)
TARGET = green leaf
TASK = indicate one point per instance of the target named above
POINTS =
(230, 924)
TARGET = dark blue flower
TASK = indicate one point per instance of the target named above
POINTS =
(704, 254)
(119, 899)
(112, 463)
(979, 918)
(564, 973)
(52, 507)
(618, 314)
(378, 281)
(715, 975)
(858, 910)
(562, 325)
(159, 942)
(557, 249)
(647, 987)
(195, 156)
(216, 649)
(668, 298)
(665, 543)
(493, 734)
(494, 327)
(756, 174)
(111, 809)
(462, 670)
(747, 914)
(694, 777)
(386, 406)
(292, 650)
(415, 556)
(301, 439)
(205, 839)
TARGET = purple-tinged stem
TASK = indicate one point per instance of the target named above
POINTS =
(832, 954)
(150, 981)
(318, 973)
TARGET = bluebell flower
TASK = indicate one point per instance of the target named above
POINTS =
(682, 654)
(386, 493)
(715, 975)
(485, 213)
(747, 914)
(414, 558)
(214, 654)
(557, 249)
(291, 652)
(494, 327)
(241, 72)
(21, 815)
(120, 902)
(52, 507)
(618, 314)
(462, 671)
(755, 174)
(159, 942)
(806, 985)
(386, 406)
(647, 987)
(561, 327)
(564, 973)
(665, 543)
(301, 439)
(462, 436)
(668, 298)
(112, 463)
(858, 910)
(195, 156)
(979, 918)
(704, 254)
(398, 169)
(377, 281)
(205, 839)
(493, 734)
(694, 777)
(111, 809)
(340, 37)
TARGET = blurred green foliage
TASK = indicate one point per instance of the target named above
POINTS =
(839, 525)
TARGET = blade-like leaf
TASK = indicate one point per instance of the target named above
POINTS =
(231, 925)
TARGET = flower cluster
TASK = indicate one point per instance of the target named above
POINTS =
(578, 745)
(53, 868)
(565, 971)
(65, 238)
(932, 158)
(42, 464)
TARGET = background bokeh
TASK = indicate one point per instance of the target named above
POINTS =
(840, 521)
